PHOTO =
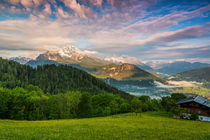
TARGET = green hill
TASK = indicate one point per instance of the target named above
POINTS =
(51, 78)
(199, 75)
(147, 126)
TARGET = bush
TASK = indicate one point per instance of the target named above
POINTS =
(176, 110)
(125, 107)
(194, 116)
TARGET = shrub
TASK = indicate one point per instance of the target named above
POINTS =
(194, 116)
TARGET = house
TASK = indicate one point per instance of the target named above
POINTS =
(196, 104)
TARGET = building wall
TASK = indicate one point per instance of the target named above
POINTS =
(195, 107)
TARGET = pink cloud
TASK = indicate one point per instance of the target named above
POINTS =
(186, 33)
(47, 9)
(14, 1)
(2, 7)
(80, 10)
(62, 13)
(155, 24)
(45, 12)
(37, 2)
(96, 2)
(26, 3)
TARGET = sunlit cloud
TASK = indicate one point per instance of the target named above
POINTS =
(140, 28)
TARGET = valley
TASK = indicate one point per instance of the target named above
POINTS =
(126, 73)
(104, 70)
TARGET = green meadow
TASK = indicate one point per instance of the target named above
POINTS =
(149, 125)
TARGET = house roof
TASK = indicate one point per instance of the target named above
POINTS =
(198, 99)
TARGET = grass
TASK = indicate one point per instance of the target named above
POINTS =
(150, 126)
(194, 90)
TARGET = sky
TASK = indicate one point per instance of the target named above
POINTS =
(149, 30)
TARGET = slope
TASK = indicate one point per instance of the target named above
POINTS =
(125, 72)
(148, 126)
(51, 78)
(199, 75)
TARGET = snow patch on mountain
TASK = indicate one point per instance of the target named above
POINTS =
(68, 51)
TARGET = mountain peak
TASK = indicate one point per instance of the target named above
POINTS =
(69, 50)
(66, 52)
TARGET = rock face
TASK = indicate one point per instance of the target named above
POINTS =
(126, 66)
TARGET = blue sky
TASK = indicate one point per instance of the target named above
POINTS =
(149, 30)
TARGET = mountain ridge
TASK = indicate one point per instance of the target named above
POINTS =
(180, 66)
(74, 57)
(198, 75)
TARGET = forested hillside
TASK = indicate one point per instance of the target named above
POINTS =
(52, 79)
(61, 92)
(199, 75)
(195, 75)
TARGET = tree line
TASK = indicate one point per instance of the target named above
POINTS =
(32, 103)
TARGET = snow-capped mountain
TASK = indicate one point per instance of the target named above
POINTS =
(71, 55)
(100, 68)
(67, 52)
(19, 59)
(71, 52)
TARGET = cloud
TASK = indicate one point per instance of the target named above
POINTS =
(4, 52)
(123, 59)
(26, 3)
(182, 47)
(62, 13)
(187, 33)
(37, 2)
(14, 1)
(32, 35)
(80, 10)
(96, 2)
(92, 53)
(47, 9)
(124, 4)
(106, 26)
(155, 24)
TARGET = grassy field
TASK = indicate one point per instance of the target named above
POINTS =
(150, 125)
